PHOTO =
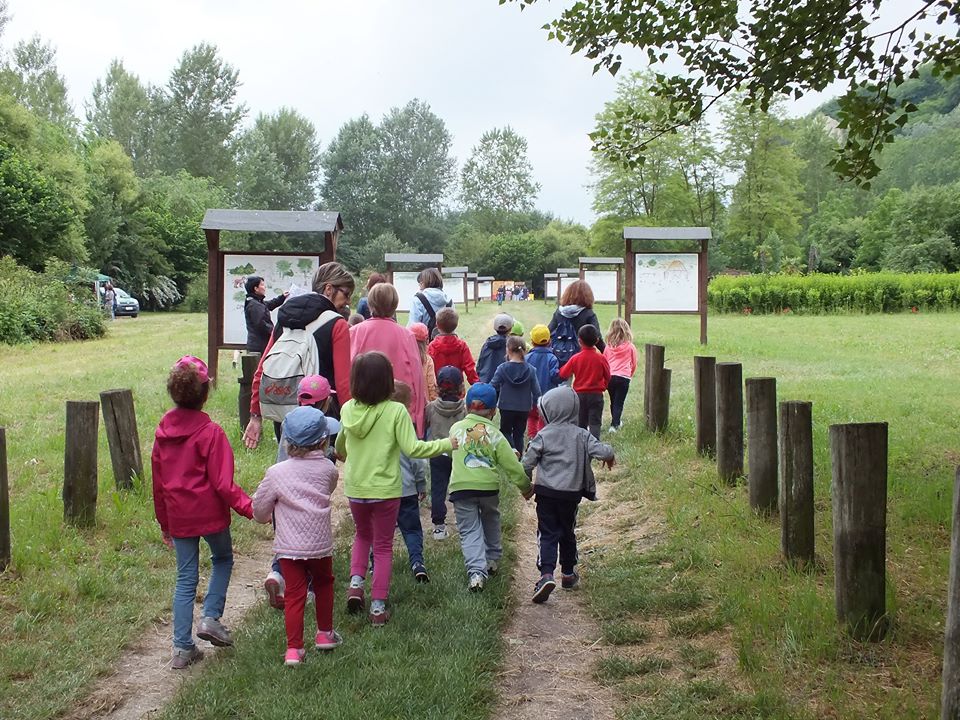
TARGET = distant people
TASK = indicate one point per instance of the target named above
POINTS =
(448, 349)
(363, 307)
(621, 353)
(509, 294)
(110, 301)
(430, 300)
(517, 392)
(575, 311)
(501, 294)
(256, 311)
(494, 350)
(591, 376)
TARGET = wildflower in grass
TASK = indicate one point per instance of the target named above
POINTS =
(914, 309)
(748, 311)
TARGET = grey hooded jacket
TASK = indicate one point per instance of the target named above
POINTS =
(562, 450)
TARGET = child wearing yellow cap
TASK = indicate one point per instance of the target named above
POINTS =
(547, 367)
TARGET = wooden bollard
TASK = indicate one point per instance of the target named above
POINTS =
(950, 697)
(248, 364)
(653, 368)
(860, 526)
(5, 550)
(796, 482)
(120, 421)
(729, 421)
(705, 398)
(80, 463)
(661, 408)
(762, 444)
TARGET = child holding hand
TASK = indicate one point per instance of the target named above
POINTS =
(591, 376)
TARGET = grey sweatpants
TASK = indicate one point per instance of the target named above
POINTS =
(478, 519)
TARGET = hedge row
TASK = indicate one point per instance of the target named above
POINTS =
(816, 294)
(37, 307)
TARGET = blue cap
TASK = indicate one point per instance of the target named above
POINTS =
(450, 381)
(305, 426)
(481, 396)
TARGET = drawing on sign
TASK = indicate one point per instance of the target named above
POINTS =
(667, 282)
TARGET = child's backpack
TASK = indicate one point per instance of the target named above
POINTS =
(564, 340)
(431, 315)
(291, 358)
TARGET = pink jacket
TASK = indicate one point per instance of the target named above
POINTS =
(622, 359)
(398, 344)
(193, 487)
(299, 490)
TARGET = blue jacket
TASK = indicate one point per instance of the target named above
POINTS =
(492, 355)
(516, 383)
(545, 362)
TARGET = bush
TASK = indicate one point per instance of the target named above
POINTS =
(816, 294)
(196, 298)
(43, 307)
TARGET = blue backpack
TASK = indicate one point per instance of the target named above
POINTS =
(564, 340)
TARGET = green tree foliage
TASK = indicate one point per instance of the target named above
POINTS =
(498, 175)
(30, 75)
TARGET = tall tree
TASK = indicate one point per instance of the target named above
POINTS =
(31, 76)
(498, 175)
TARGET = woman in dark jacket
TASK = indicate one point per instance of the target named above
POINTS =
(256, 310)
(577, 305)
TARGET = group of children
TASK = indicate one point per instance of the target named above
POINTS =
(384, 474)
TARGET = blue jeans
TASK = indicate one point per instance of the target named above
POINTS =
(408, 520)
(440, 469)
(188, 576)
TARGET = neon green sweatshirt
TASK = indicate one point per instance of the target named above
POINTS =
(483, 456)
(371, 440)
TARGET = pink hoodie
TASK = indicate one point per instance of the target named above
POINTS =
(193, 487)
(399, 345)
(622, 359)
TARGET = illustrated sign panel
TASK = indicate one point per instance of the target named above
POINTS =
(603, 283)
(453, 287)
(281, 273)
(667, 282)
(407, 286)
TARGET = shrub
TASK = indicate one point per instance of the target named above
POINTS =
(195, 299)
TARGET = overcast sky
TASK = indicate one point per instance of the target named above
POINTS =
(478, 64)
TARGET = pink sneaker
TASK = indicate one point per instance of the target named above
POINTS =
(328, 639)
(294, 656)
(355, 600)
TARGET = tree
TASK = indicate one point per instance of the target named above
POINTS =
(498, 176)
(114, 195)
(778, 47)
(516, 256)
(32, 78)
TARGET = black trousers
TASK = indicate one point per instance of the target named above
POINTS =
(591, 412)
(618, 389)
(556, 519)
(513, 424)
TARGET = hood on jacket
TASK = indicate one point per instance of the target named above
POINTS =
(437, 297)
(181, 423)
(449, 408)
(516, 373)
(298, 312)
(560, 405)
(359, 418)
(571, 311)
(497, 342)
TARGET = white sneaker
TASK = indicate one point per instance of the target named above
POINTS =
(275, 587)
(476, 582)
(440, 532)
(613, 429)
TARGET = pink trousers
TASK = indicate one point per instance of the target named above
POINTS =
(375, 524)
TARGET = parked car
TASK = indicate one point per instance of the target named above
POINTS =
(126, 304)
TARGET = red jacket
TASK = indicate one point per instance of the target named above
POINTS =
(590, 370)
(451, 350)
(193, 487)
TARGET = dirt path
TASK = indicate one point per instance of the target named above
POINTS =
(551, 648)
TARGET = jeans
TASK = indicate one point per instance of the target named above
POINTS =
(556, 519)
(295, 573)
(408, 520)
(478, 519)
(440, 468)
(591, 412)
(375, 524)
(513, 423)
(618, 389)
(188, 576)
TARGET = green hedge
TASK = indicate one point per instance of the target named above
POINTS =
(816, 294)
(35, 306)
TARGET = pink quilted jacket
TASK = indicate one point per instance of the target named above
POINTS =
(299, 491)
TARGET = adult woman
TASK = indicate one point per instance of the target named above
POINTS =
(363, 307)
(381, 332)
(256, 311)
(110, 300)
(332, 288)
(576, 304)
(431, 287)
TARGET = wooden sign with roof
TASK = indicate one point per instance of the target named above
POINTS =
(599, 279)
(404, 280)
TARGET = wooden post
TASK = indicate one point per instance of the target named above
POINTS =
(729, 421)
(653, 368)
(120, 421)
(859, 458)
(630, 265)
(5, 553)
(248, 364)
(796, 482)
(762, 444)
(950, 701)
(703, 277)
(661, 399)
(214, 304)
(80, 463)
(705, 399)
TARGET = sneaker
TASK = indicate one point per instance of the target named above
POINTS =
(440, 532)
(274, 586)
(212, 630)
(379, 615)
(614, 429)
(492, 568)
(328, 639)
(543, 588)
(476, 582)
(569, 582)
(294, 656)
(355, 600)
(420, 573)
(311, 597)
(183, 658)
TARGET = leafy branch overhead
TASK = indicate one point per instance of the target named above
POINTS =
(766, 49)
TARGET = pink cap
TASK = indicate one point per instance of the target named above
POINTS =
(194, 362)
(313, 389)
(420, 332)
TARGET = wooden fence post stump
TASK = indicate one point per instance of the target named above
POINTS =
(859, 459)
(796, 483)
(80, 463)
(661, 409)
(5, 550)
(653, 368)
(249, 364)
(705, 392)
(950, 698)
(120, 421)
(729, 421)
(762, 444)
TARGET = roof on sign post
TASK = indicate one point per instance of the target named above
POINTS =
(455, 271)
(568, 271)
(284, 221)
(601, 261)
(667, 233)
(428, 258)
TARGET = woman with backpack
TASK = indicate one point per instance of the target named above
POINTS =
(333, 286)
(429, 301)
(575, 311)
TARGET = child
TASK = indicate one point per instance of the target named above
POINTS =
(413, 476)
(481, 456)
(494, 349)
(422, 335)
(356, 318)
(193, 492)
(296, 492)
(375, 430)
(621, 354)
(544, 361)
(441, 414)
(517, 329)
(518, 390)
(448, 349)
(591, 376)
(561, 452)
